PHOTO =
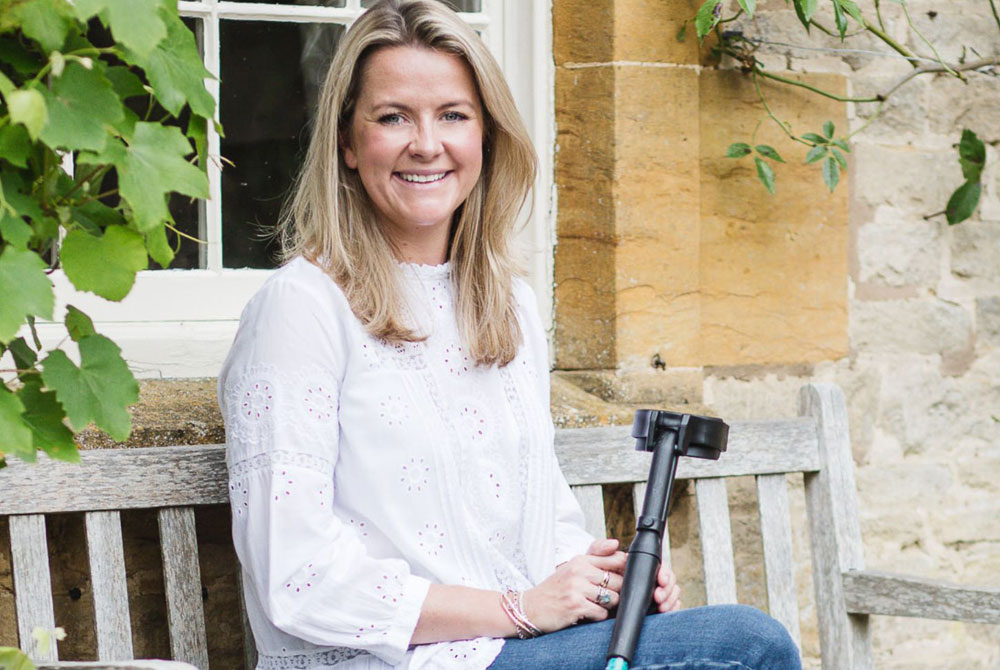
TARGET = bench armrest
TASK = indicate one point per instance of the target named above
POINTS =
(869, 592)
(116, 665)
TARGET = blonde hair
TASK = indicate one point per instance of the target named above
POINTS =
(330, 218)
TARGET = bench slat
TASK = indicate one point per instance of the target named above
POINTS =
(32, 583)
(108, 583)
(182, 582)
(870, 592)
(591, 499)
(638, 496)
(604, 455)
(716, 541)
(779, 562)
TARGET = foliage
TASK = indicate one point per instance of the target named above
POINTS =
(15, 659)
(825, 148)
(105, 86)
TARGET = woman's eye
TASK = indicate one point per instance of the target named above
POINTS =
(454, 116)
(390, 119)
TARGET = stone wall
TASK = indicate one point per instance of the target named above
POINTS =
(872, 292)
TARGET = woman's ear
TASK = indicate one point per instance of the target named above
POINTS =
(350, 158)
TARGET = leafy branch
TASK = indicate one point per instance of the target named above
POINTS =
(65, 91)
(824, 148)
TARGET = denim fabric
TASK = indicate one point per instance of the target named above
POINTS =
(721, 637)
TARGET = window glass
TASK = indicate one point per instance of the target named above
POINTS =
(323, 3)
(271, 74)
(457, 5)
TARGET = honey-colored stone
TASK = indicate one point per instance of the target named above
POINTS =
(581, 31)
(648, 30)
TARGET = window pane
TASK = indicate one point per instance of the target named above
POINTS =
(323, 3)
(457, 5)
(270, 81)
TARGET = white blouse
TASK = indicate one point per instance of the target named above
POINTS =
(362, 472)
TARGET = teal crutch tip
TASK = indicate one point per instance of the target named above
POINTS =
(617, 664)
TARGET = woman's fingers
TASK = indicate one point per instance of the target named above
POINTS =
(605, 547)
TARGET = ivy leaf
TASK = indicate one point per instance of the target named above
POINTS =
(814, 138)
(25, 288)
(23, 355)
(15, 146)
(805, 9)
(831, 173)
(748, 6)
(27, 107)
(816, 153)
(13, 229)
(44, 417)
(45, 21)
(840, 19)
(828, 129)
(150, 167)
(95, 216)
(175, 70)
(81, 105)
(125, 82)
(971, 155)
(78, 324)
(840, 158)
(98, 391)
(738, 150)
(765, 174)
(16, 435)
(963, 202)
(136, 24)
(768, 151)
(158, 247)
(104, 265)
(708, 17)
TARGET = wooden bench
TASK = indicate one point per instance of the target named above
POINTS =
(176, 480)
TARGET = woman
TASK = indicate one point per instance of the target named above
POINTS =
(397, 502)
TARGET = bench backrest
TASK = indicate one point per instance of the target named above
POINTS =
(175, 480)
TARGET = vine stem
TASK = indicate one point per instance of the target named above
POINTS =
(93, 173)
(925, 69)
(996, 16)
(826, 94)
(909, 22)
(181, 233)
(884, 36)
(784, 128)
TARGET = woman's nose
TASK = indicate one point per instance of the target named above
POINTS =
(425, 141)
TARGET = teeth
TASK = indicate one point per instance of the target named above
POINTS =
(422, 178)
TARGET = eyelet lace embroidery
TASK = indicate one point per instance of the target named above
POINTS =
(324, 659)
(277, 458)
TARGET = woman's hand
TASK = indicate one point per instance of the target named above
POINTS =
(667, 594)
(570, 594)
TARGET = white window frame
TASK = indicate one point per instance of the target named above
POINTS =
(180, 323)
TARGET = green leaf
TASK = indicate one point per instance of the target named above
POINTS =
(125, 82)
(842, 144)
(840, 19)
(737, 150)
(768, 151)
(6, 85)
(78, 324)
(828, 129)
(765, 174)
(197, 131)
(814, 138)
(25, 288)
(708, 17)
(82, 105)
(971, 155)
(176, 71)
(95, 216)
(831, 173)
(103, 265)
(136, 24)
(816, 153)
(14, 659)
(15, 147)
(98, 391)
(44, 417)
(805, 9)
(13, 229)
(149, 168)
(45, 21)
(682, 33)
(748, 6)
(159, 247)
(16, 435)
(963, 202)
(840, 158)
(27, 107)
(21, 59)
(851, 8)
(23, 355)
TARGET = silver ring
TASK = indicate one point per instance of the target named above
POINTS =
(607, 578)
(603, 597)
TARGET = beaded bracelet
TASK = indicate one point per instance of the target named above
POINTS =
(510, 601)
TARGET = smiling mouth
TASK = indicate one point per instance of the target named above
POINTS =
(421, 178)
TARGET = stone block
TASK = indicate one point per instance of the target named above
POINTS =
(582, 31)
(971, 105)
(903, 117)
(584, 303)
(675, 386)
(988, 320)
(913, 180)
(975, 250)
(896, 250)
(956, 29)
(773, 268)
(917, 325)
(647, 30)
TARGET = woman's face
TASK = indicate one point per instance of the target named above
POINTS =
(416, 140)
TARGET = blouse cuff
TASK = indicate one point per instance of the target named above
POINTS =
(404, 623)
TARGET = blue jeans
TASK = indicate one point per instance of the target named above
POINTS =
(721, 637)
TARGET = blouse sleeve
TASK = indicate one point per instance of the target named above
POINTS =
(279, 392)
(571, 538)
